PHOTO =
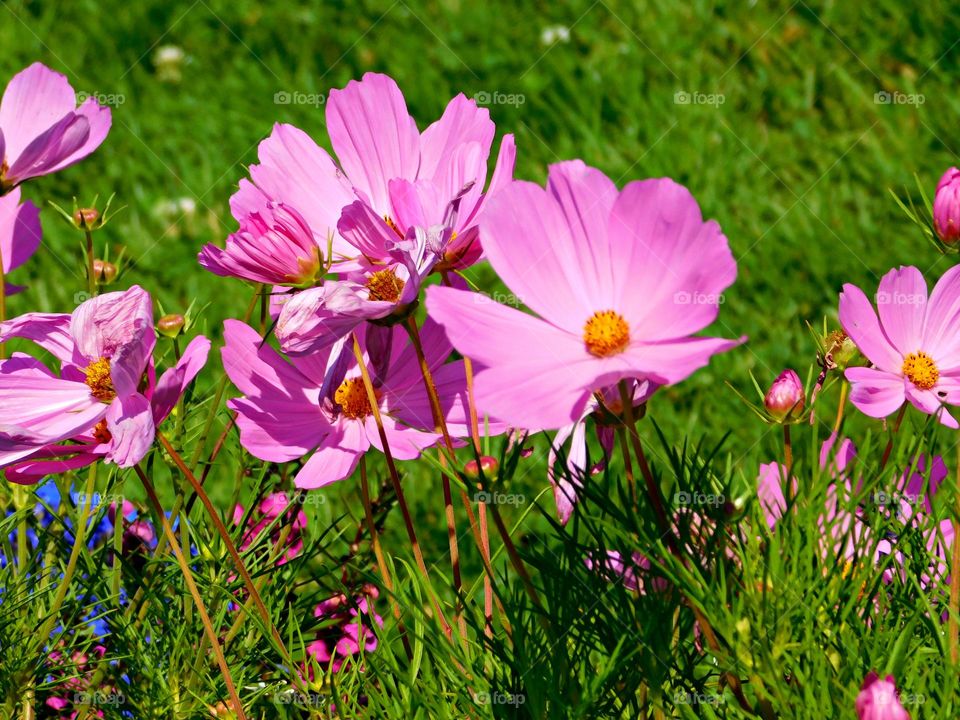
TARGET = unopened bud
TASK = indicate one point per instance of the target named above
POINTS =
(171, 325)
(841, 349)
(104, 272)
(488, 465)
(785, 396)
(85, 217)
(946, 207)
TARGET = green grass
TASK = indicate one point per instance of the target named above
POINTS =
(796, 164)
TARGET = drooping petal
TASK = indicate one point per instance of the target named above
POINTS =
(367, 231)
(902, 306)
(174, 381)
(130, 423)
(859, 320)
(373, 135)
(20, 232)
(103, 325)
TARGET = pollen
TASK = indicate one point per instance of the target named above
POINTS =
(606, 333)
(385, 286)
(101, 434)
(351, 396)
(392, 225)
(919, 368)
(99, 380)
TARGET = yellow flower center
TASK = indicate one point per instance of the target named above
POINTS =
(920, 369)
(384, 285)
(351, 396)
(606, 333)
(99, 380)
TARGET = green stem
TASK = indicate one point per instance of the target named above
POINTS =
(91, 276)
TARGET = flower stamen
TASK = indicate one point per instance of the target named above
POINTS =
(606, 333)
(99, 380)
(919, 368)
(385, 286)
(352, 398)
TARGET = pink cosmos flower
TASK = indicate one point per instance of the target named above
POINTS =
(349, 629)
(620, 281)
(274, 246)
(105, 400)
(406, 178)
(635, 572)
(914, 344)
(318, 402)
(19, 233)
(41, 128)
(879, 700)
(270, 514)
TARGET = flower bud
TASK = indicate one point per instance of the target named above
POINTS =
(170, 325)
(85, 217)
(104, 272)
(946, 207)
(878, 700)
(785, 396)
(488, 465)
(841, 349)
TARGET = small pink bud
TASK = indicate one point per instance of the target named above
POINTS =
(946, 207)
(488, 464)
(785, 396)
(879, 700)
(170, 325)
(104, 272)
(85, 217)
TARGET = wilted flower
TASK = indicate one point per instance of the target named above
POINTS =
(946, 207)
(41, 128)
(106, 400)
(879, 700)
(785, 397)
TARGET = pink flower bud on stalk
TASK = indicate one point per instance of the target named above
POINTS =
(105, 272)
(488, 464)
(171, 325)
(878, 700)
(85, 217)
(785, 396)
(946, 207)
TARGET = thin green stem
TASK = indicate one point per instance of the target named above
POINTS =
(91, 272)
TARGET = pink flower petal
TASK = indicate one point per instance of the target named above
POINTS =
(902, 306)
(462, 122)
(173, 383)
(51, 331)
(20, 232)
(875, 392)
(335, 459)
(130, 423)
(36, 98)
(373, 135)
(941, 336)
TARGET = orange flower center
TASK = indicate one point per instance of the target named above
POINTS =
(384, 285)
(606, 333)
(919, 368)
(99, 380)
(351, 396)
(100, 432)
